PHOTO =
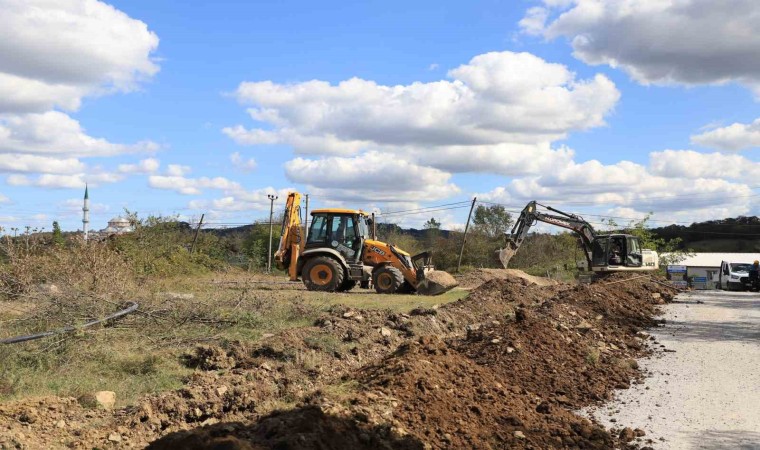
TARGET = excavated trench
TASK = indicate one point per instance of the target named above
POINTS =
(503, 368)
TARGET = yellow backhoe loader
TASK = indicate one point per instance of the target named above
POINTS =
(339, 252)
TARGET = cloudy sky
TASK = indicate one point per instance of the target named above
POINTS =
(603, 107)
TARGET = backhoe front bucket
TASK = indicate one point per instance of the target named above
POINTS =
(436, 282)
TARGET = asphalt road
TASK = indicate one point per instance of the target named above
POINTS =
(704, 391)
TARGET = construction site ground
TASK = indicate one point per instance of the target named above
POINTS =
(505, 364)
(703, 385)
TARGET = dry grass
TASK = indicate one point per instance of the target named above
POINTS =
(141, 353)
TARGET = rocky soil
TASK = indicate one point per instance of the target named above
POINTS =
(503, 368)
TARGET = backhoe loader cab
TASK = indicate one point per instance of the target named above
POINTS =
(342, 230)
(339, 252)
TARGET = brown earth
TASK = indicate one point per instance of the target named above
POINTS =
(503, 368)
(475, 278)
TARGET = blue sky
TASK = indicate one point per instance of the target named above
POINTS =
(589, 105)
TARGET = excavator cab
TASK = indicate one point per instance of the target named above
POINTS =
(616, 251)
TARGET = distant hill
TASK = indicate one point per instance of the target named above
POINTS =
(741, 234)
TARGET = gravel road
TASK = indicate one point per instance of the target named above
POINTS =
(703, 384)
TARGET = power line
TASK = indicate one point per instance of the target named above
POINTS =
(422, 208)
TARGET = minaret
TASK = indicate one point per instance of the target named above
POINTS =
(86, 214)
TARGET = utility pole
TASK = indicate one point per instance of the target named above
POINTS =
(306, 220)
(272, 198)
(197, 230)
(464, 238)
(374, 228)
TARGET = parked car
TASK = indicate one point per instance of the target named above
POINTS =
(734, 276)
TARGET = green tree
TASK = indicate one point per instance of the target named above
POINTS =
(492, 221)
(432, 224)
(649, 240)
(58, 239)
(432, 232)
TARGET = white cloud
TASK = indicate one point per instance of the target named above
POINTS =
(371, 176)
(19, 163)
(496, 98)
(691, 164)
(149, 165)
(55, 181)
(668, 188)
(242, 200)
(178, 170)
(72, 207)
(55, 133)
(4, 199)
(54, 53)
(190, 186)
(240, 163)
(735, 137)
(659, 41)
(499, 113)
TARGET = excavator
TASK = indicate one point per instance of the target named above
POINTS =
(339, 252)
(604, 253)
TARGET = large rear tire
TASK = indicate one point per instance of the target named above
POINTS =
(387, 280)
(322, 273)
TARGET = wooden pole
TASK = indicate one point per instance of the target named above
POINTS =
(197, 230)
(374, 228)
(464, 238)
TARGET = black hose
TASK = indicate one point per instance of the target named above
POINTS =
(14, 340)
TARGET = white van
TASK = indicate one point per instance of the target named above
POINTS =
(734, 276)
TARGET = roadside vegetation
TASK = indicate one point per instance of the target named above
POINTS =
(214, 291)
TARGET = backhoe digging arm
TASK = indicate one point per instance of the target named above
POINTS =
(291, 244)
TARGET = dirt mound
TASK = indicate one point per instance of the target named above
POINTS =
(508, 364)
(449, 402)
(305, 428)
(475, 278)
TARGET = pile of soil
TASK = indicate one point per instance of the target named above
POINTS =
(475, 278)
(504, 367)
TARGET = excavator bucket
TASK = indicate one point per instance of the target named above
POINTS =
(507, 253)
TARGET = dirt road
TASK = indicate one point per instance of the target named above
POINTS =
(703, 388)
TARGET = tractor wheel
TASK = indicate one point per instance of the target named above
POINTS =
(347, 285)
(387, 279)
(322, 274)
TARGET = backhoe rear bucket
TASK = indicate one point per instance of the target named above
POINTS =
(436, 282)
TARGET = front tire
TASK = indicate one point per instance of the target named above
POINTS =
(387, 279)
(322, 273)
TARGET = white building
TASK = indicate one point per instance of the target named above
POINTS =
(702, 268)
(118, 225)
